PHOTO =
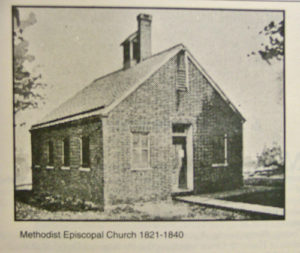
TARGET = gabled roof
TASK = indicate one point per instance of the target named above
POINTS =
(106, 92)
(102, 94)
(130, 37)
(215, 85)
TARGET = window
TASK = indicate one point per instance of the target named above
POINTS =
(50, 153)
(220, 150)
(37, 152)
(179, 128)
(66, 152)
(85, 152)
(126, 51)
(140, 151)
(136, 51)
(38, 155)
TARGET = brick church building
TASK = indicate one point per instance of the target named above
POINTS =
(158, 126)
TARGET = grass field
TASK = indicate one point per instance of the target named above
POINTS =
(273, 198)
(162, 210)
(255, 192)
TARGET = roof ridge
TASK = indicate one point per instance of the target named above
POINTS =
(129, 37)
(148, 58)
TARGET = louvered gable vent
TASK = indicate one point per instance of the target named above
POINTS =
(182, 71)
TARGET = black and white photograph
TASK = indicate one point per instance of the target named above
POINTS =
(148, 114)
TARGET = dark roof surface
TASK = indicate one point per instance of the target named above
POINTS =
(105, 90)
(130, 37)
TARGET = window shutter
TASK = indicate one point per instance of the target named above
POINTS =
(85, 151)
(66, 151)
(50, 153)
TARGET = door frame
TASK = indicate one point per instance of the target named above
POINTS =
(188, 134)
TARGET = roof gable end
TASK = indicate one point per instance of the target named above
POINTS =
(143, 79)
(214, 85)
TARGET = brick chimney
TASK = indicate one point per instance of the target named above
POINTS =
(144, 35)
(137, 46)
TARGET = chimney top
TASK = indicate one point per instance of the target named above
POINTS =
(143, 16)
(137, 46)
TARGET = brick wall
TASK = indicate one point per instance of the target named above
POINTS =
(84, 185)
(144, 36)
(148, 109)
(216, 118)
(153, 108)
(213, 119)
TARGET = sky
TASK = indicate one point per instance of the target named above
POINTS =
(72, 47)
